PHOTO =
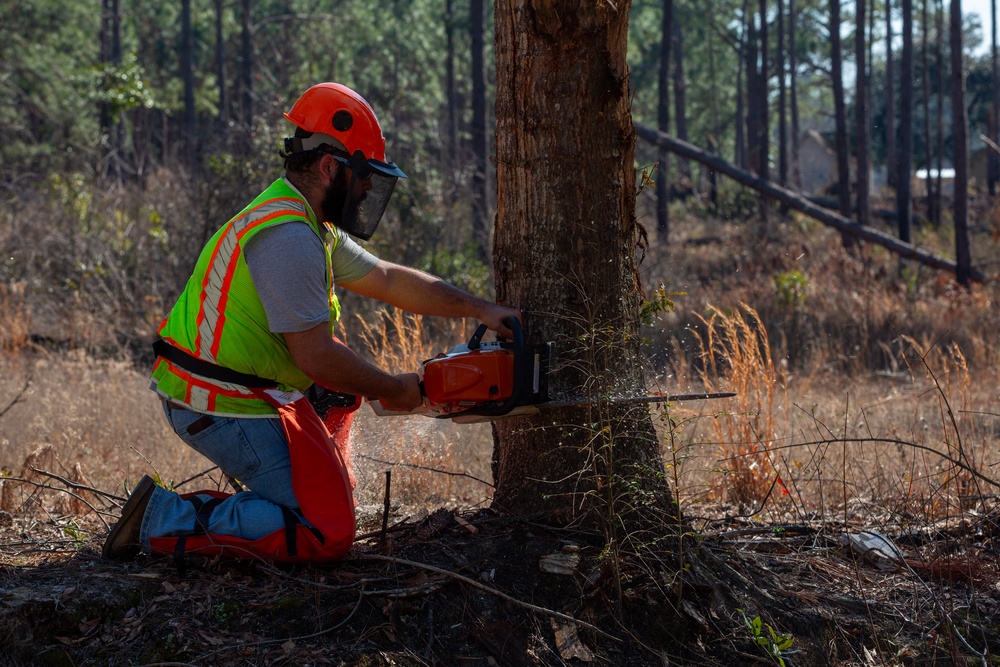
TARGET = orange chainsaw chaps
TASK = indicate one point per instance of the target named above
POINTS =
(322, 483)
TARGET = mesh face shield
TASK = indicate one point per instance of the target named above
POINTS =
(370, 189)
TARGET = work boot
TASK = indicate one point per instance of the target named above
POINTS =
(123, 540)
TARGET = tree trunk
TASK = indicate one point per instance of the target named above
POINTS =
(480, 191)
(565, 254)
(782, 101)
(961, 140)
(246, 76)
(937, 204)
(663, 123)
(840, 120)
(793, 94)
(903, 204)
(680, 92)
(891, 160)
(220, 72)
(926, 102)
(861, 105)
(451, 101)
(994, 159)
(187, 76)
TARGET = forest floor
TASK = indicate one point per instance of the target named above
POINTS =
(475, 588)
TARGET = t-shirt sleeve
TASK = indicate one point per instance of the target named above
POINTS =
(350, 261)
(288, 265)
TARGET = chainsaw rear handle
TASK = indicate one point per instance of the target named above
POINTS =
(519, 370)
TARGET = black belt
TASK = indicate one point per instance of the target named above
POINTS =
(322, 399)
(206, 368)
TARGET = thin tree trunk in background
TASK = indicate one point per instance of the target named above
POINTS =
(103, 107)
(220, 72)
(246, 76)
(762, 110)
(926, 84)
(740, 149)
(938, 202)
(480, 189)
(451, 104)
(840, 116)
(187, 76)
(782, 102)
(793, 94)
(663, 123)
(680, 93)
(903, 204)
(891, 160)
(963, 258)
(861, 105)
(994, 159)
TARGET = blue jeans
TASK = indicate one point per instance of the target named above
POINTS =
(254, 451)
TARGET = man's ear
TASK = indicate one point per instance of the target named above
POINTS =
(328, 166)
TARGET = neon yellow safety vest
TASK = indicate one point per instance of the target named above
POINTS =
(220, 318)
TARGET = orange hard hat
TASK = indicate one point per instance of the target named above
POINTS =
(334, 109)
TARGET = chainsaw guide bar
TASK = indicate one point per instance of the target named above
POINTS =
(483, 381)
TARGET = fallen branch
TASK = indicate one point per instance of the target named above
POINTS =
(19, 396)
(472, 582)
(801, 204)
(76, 485)
(96, 511)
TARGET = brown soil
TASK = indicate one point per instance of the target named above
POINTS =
(468, 589)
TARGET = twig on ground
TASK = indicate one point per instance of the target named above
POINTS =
(194, 477)
(76, 485)
(96, 511)
(20, 395)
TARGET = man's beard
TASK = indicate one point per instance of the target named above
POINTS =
(333, 201)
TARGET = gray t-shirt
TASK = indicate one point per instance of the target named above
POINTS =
(288, 265)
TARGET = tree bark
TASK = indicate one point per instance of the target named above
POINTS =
(779, 62)
(994, 159)
(800, 203)
(187, 76)
(246, 75)
(480, 190)
(793, 94)
(861, 105)
(565, 254)
(903, 203)
(451, 100)
(891, 160)
(926, 102)
(840, 115)
(937, 203)
(220, 72)
(680, 91)
(663, 122)
(961, 146)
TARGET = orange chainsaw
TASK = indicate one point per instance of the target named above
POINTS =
(488, 380)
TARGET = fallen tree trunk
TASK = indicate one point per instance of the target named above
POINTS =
(800, 203)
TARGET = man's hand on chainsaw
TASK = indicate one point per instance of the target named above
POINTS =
(494, 315)
(408, 398)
